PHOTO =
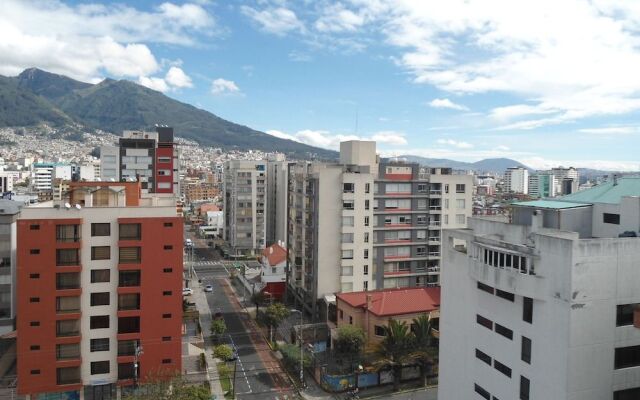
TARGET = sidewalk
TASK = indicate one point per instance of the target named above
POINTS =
(200, 299)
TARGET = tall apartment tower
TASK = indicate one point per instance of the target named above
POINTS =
(245, 203)
(149, 157)
(546, 307)
(330, 231)
(517, 180)
(9, 213)
(567, 180)
(277, 191)
(542, 185)
(99, 292)
(412, 205)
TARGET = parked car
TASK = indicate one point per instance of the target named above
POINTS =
(208, 288)
(188, 243)
(187, 291)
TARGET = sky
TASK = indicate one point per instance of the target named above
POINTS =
(544, 82)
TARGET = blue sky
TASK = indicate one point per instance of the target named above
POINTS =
(542, 82)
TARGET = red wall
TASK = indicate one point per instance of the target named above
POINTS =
(164, 152)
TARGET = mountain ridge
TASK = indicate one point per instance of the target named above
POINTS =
(36, 96)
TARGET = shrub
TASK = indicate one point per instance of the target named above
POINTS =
(223, 352)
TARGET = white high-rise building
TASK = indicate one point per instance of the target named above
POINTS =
(517, 180)
(567, 180)
(548, 306)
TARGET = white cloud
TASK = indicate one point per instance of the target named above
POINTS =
(177, 78)
(502, 148)
(328, 140)
(89, 41)
(543, 163)
(297, 56)
(154, 83)
(446, 103)
(276, 20)
(455, 143)
(223, 86)
(337, 18)
(611, 130)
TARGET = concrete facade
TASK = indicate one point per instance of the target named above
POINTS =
(542, 185)
(517, 180)
(9, 213)
(545, 307)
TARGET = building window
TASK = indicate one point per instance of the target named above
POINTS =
(422, 187)
(67, 304)
(166, 361)
(350, 320)
(367, 187)
(525, 351)
(129, 278)
(69, 327)
(626, 357)
(485, 288)
(126, 371)
(129, 301)
(100, 275)
(101, 229)
(170, 247)
(128, 325)
(487, 323)
(67, 233)
(99, 322)
(347, 221)
(68, 376)
(366, 237)
(99, 367)
(365, 286)
(341, 314)
(100, 299)
(624, 314)
(167, 270)
(347, 238)
(166, 316)
(506, 332)
(67, 280)
(460, 218)
(366, 254)
(380, 331)
(130, 232)
(348, 188)
(611, 218)
(505, 295)
(422, 204)
(366, 221)
(166, 338)
(483, 357)
(34, 251)
(347, 254)
(100, 252)
(34, 323)
(524, 388)
(129, 255)
(34, 227)
(627, 394)
(67, 351)
(460, 188)
(35, 372)
(481, 391)
(67, 257)
(347, 205)
(167, 293)
(34, 300)
(502, 368)
(168, 224)
(527, 309)
(99, 345)
(34, 347)
(366, 204)
(460, 204)
(34, 276)
(366, 270)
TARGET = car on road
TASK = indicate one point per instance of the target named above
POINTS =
(208, 288)
(187, 291)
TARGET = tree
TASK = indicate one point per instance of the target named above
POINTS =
(423, 353)
(395, 349)
(223, 352)
(166, 388)
(291, 357)
(349, 341)
(258, 298)
(218, 328)
(275, 314)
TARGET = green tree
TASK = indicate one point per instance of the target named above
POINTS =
(291, 357)
(395, 349)
(275, 314)
(218, 328)
(223, 352)
(423, 353)
(169, 388)
(349, 342)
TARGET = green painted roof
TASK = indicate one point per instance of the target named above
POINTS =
(607, 192)
(554, 204)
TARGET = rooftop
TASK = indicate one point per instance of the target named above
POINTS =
(552, 204)
(390, 302)
(275, 254)
(608, 192)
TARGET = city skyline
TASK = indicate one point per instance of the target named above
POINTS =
(462, 81)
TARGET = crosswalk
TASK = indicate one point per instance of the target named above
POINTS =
(202, 263)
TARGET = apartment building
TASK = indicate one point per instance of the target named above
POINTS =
(545, 307)
(99, 292)
(245, 203)
(9, 213)
(149, 157)
(330, 231)
(411, 206)
(516, 180)
(43, 175)
(277, 198)
(567, 180)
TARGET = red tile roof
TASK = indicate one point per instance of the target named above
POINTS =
(275, 254)
(389, 302)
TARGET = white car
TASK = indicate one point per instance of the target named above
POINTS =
(187, 291)
(208, 288)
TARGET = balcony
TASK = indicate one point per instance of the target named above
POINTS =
(128, 325)
(434, 254)
(67, 305)
(67, 233)
(67, 280)
(66, 352)
(434, 192)
(435, 208)
(67, 257)
(434, 223)
(129, 278)
(130, 232)
(129, 301)
(129, 255)
(67, 328)
(68, 376)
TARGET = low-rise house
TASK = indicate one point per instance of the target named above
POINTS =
(373, 310)
(273, 275)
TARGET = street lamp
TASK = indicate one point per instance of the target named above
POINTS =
(301, 349)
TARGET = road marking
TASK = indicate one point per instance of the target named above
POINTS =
(239, 361)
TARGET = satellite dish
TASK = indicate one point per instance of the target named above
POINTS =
(112, 180)
(67, 206)
(78, 206)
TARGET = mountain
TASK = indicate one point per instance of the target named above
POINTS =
(37, 96)
(488, 165)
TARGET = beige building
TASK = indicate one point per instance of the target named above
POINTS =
(372, 311)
